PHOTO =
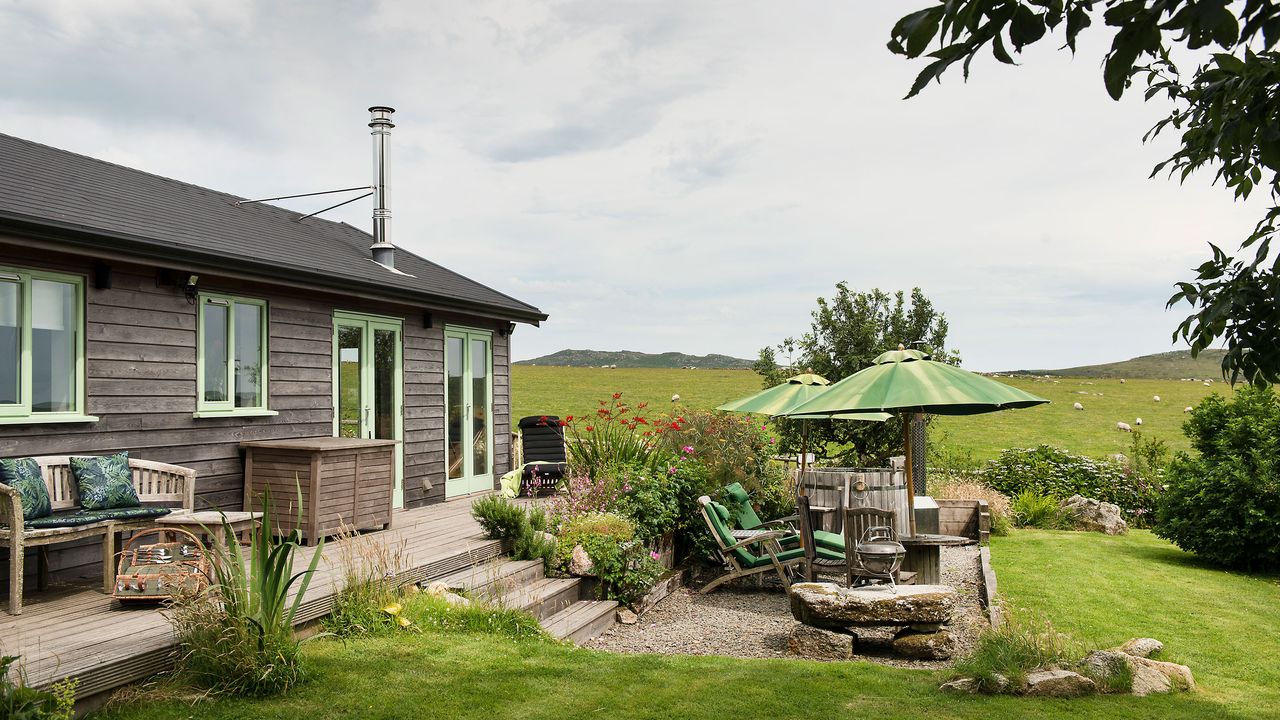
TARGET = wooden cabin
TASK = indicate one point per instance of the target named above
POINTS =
(145, 314)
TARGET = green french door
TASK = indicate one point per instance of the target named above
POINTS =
(369, 387)
(468, 398)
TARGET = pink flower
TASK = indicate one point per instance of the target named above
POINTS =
(671, 471)
(653, 554)
(686, 449)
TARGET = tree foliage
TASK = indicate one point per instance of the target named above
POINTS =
(847, 333)
(1227, 111)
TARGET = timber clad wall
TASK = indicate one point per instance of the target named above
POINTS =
(141, 382)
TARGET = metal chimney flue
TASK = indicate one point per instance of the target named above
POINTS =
(384, 253)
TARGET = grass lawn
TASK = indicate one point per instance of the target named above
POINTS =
(544, 390)
(1103, 589)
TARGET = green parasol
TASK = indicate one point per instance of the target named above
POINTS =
(908, 381)
(797, 390)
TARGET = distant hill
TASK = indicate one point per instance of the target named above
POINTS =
(1170, 365)
(633, 359)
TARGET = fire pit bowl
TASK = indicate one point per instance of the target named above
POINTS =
(880, 553)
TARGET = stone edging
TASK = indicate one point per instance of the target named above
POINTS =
(987, 587)
(660, 590)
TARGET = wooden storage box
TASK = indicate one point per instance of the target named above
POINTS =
(344, 482)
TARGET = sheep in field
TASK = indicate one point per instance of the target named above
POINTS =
(1187, 409)
(1078, 406)
(1138, 422)
(1123, 427)
(1155, 398)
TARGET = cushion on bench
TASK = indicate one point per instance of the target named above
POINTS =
(88, 517)
(23, 475)
(105, 481)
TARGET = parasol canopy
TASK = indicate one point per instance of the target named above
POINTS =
(797, 390)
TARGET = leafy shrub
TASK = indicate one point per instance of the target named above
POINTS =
(370, 570)
(614, 527)
(584, 494)
(1019, 645)
(1223, 503)
(942, 485)
(500, 518)
(1056, 473)
(236, 637)
(626, 569)
(653, 503)
(1031, 509)
(21, 702)
(733, 447)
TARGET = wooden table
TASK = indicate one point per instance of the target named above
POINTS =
(209, 522)
(924, 555)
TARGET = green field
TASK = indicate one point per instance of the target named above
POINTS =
(544, 390)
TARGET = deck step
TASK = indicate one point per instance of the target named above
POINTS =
(582, 620)
(544, 597)
(490, 581)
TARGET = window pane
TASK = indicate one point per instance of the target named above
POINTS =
(480, 407)
(248, 329)
(214, 320)
(10, 343)
(53, 346)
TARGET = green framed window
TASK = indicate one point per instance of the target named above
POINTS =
(42, 366)
(231, 356)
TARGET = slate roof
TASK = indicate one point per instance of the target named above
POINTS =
(97, 204)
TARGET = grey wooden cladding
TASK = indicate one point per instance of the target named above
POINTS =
(141, 383)
(965, 518)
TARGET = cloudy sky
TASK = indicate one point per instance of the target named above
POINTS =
(656, 175)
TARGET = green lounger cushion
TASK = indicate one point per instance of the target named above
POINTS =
(88, 517)
(23, 475)
(833, 541)
(739, 503)
(105, 481)
(718, 516)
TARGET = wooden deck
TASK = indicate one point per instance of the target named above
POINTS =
(80, 632)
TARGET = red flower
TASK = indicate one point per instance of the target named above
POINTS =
(590, 428)
(563, 423)
(675, 426)
(568, 418)
(642, 421)
(617, 395)
(643, 405)
(601, 402)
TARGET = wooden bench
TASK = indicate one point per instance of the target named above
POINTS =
(156, 483)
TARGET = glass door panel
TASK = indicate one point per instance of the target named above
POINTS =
(368, 361)
(469, 403)
(10, 343)
(350, 381)
(455, 347)
(480, 406)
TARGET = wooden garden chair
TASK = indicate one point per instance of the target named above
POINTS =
(817, 558)
(754, 555)
(856, 522)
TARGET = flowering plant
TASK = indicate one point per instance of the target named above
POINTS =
(615, 436)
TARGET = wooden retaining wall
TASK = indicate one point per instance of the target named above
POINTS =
(965, 518)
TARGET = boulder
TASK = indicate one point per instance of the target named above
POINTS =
(1120, 672)
(924, 645)
(437, 588)
(580, 562)
(817, 644)
(626, 617)
(836, 606)
(1059, 683)
(966, 685)
(1094, 515)
(1153, 676)
(1141, 647)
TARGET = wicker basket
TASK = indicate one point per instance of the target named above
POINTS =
(159, 564)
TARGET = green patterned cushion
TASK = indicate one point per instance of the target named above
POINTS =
(88, 517)
(105, 481)
(23, 475)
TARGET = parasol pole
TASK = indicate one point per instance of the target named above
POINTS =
(804, 445)
(911, 489)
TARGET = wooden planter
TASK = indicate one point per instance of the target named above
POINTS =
(345, 482)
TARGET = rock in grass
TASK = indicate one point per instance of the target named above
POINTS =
(1141, 647)
(1153, 676)
(1059, 683)
(967, 685)
(1093, 515)
(817, 644)
(1109, 669)
(963, 686)
(836, 606)
(924, 645)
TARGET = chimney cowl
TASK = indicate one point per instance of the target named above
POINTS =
(382, 250)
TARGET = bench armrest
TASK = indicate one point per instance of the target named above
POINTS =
(756, 539)
(10, 508)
